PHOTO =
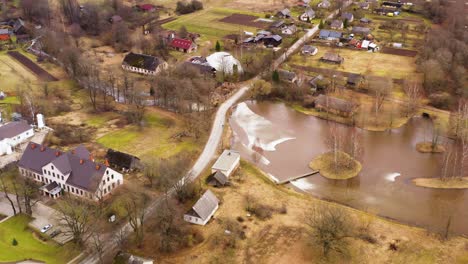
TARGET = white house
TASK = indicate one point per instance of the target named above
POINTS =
(227, 163)
(74, 172)
(144, 64)
(203, 209)
(13, 134)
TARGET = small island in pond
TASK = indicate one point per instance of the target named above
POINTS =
(442, 183)
(429, 147)
(336, 166)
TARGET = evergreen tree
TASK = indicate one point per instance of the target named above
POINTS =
(321, 24)
(14, 242)
(218, 46)
(275, 77)
(345, 23)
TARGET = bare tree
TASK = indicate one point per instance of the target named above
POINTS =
(413, 91)
(331, 226)
(5, 190)
(381, 88)
(134, 206)
(76, 216)
(98, 246)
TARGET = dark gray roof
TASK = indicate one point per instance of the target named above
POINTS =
(49, 187)
(84, 173)
(277, 24)
(348, 16)
(361, 30)
(142, 61)
(288, 75)
(354, 78)
(329, 34)
(202, 68)
(275, 37)
(220, 177)
(81, 151)
(314, 80)
(285, 12)
(310, 13)
(365, 20)
(308, 48)
(36, 156)
(336, 23)
(13, 129)
(205, 206)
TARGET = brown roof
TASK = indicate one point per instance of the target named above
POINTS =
(332, 57)
(13, 129)
(335, 103)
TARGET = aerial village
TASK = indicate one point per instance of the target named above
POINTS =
(313, 131)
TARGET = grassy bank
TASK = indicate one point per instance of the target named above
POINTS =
(437, 183)
(346, 167)
(29, 246)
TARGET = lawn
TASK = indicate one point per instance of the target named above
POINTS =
(155, 138)
(29, 247)
(13, 74)
(206, 23)
(361, 62)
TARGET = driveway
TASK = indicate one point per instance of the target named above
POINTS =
(42, 215)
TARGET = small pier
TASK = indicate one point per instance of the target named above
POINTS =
(297, 177)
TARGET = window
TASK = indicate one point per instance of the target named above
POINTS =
(45, 172)
(81, 192)
(113, 185)
(62, 177)
(112, 176)
(53, 174)
(118, 182)
(48, 172)
(107, 172)
(108, 179)
(52, 167)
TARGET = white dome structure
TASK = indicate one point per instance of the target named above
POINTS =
(224, 62)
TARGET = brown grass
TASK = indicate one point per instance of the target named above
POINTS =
(437, 183)
(347, 167)
(427, 147)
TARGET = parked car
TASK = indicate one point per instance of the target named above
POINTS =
(46, 228)
(55, 233)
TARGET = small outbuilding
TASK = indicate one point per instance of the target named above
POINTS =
(183, 45)
(336, 24)
(354, 79)
(289, 30)
(324, 4)
(335, 105)
(285, 13)
(332, 58)
(330, 34)
(203, 209)
(348, 16)
(364, 31)
(272, 40)
(121, 160)
(227, 163)
(308, 15)
(309, 50)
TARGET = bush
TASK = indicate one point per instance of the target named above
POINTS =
(14, 242)
(186, 8)
(440, 100)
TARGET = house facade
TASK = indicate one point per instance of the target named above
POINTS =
(308, 15)
(74, 172)
(203, 210)
(143, 64)
(13, 134)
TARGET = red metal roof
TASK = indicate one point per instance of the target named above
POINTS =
(181, 43)
(4, 37)
(146, 7)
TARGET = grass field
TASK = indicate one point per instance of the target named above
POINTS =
(29, 247)
(13, 74)
(361, 62)
(155, 138)
(206, 23)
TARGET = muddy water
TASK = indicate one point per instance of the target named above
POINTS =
(289, 140)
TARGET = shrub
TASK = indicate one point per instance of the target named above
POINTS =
(14, 242)
(440, 100)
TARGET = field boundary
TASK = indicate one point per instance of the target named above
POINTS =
(32, 66)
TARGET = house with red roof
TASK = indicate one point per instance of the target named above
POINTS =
(184, 45)
(4, 35)
(146, 7)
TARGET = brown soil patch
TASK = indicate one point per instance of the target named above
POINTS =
(399, 52)
(244, 20)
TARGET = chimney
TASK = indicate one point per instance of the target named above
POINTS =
(57, 153)
(81, 161)
(42, 148)
(98, 167)
(107, 163)
(33, 146)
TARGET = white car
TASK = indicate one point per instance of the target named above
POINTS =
(46, 228)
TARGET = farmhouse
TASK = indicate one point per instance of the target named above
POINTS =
(361, 30)
(364, 5)
(74, 172)
(332, 58)
(203, 209)
(348, 16)
(277, 24)
(335, 105)
(330, 34)
(272, 41)
(285, 13)
(144, 64)
(13, 134)
(309, 50)
(289, 30)
(336, 24)
(122, 160)
(146, 8)
(324, 4)
(308, 15)
(184, 45)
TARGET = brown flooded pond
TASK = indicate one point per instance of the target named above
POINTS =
(289, 140)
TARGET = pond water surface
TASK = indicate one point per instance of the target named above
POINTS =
(290, 140)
